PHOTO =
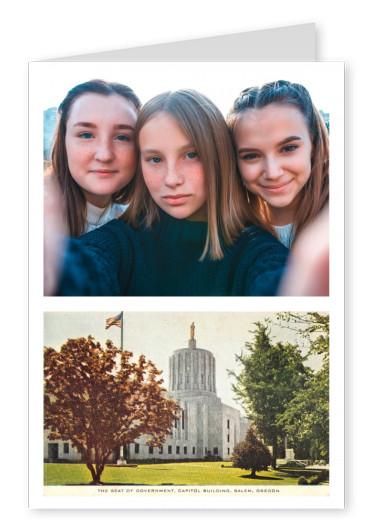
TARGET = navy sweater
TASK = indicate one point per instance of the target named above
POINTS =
(164, 261)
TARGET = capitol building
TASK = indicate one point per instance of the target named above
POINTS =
(206, 429)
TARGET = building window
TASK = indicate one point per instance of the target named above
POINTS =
(66, 448)
(228, 438)
(206, 451)
(136, 448)
(151, 449)
(194, 450)
(215, 451)
(187, 377)
(178, 449)
(202, 378)
(180, 378)
(170, 449)
(228, 451)
(185, 450)
(176, 423)
(228, 424)
(182, 420)
(161, 450)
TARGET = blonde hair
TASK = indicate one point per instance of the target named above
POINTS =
(202, 122)
(315, 193)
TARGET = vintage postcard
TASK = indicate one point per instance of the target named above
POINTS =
(221, 405)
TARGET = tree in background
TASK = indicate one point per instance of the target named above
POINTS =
(312, 326)
(251, 454)
(306, 418)
(270, 377)
(100, 400)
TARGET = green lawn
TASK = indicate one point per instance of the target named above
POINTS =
(205, 473)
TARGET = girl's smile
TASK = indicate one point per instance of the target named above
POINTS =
(273, 148)
(172, 170)
(100, 146)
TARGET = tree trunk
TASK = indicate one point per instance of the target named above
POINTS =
(274, 456)
(253, 473)
(95, 474)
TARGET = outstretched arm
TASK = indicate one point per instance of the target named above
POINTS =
(308, 272)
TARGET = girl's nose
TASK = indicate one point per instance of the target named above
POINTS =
(173, 176)
(273, 168)
(104, 151)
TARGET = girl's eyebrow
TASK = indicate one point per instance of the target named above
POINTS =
(285, 141)
(93, 126)
(147, 151)
(156, 150)
(244, 150)
(289, 139)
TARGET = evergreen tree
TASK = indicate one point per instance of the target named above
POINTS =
(306, 418)
(270, 377)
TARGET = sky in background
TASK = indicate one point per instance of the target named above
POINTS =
(158, 334)
(221, 82)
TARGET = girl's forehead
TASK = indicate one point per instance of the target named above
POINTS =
(272, 116)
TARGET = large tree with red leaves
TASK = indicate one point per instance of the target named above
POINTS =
(100, 400)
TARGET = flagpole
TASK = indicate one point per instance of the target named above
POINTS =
(121, 332)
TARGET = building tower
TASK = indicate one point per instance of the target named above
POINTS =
(207, 429)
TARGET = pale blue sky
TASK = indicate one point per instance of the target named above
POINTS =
(158, 334)
(220, 81)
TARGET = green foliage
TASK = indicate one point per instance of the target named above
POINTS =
(306, 418)
(251, 454)
(302, 481)
(281, 395)
(312, 326)
(270, 377)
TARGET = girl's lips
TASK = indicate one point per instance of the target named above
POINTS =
(103, 173)
(276, 189)
(178, 199)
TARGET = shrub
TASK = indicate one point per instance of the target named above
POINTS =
(321, 477)
(251, 454)
(302, 481)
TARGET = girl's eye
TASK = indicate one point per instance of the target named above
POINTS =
(155, 160)
(291, 147)
(123, 138)
(85, 136)
(250, 156)
(191, 155)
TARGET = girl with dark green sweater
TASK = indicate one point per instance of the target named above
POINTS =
(187, 230)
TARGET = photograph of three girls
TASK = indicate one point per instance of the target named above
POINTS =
(169, 197)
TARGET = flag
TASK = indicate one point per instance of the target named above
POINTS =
(114, 321)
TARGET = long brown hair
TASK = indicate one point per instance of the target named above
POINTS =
(315, 193)
(73, 196)
(202, 122)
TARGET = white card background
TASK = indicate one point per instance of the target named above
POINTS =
(221, 81)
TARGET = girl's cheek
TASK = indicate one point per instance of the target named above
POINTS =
(194, 172)
(77, 153)
(152, 176)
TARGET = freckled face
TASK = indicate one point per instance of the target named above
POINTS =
(100, 145)
(172, 169)
(273, 148)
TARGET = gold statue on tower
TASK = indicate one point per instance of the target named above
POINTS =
(192, 330)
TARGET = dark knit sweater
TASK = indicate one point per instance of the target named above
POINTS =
(164, 260)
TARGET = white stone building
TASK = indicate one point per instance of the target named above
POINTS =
(207, 428)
